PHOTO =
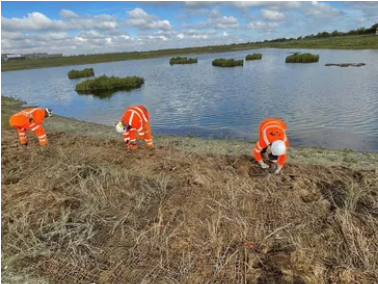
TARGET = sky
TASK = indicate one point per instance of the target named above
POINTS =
(99, 27)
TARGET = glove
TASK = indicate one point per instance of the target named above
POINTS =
(278, 170)
(25, 144)
(133, 145)
(263, 165)
(127, 141)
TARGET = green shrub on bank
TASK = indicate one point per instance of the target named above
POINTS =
(87, 72)
(254, 56)
(182, 60)
(106, 84)
(221, 62)
(302, 58)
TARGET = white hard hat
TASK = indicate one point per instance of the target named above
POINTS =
(49, 112)
(278, 148)
(120, 127)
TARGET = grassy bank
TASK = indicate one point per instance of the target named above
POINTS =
(84, 210)
(342, 42)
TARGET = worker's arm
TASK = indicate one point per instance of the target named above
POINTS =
(260, 145)
(280, 163)
(126, 137)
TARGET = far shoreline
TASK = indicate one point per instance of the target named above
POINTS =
(357, 42)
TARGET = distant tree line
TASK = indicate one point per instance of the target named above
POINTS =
(359, 31)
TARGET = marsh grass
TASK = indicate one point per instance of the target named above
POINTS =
(302, 58)
(182, 60)
(87, 72)
(105, 84)
(255, 56)
(221, 62)
(83, 213)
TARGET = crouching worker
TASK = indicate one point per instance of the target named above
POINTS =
(272, 143)
(31, 119)
(135, 120)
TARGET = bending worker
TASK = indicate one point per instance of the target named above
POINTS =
(272, 142)
(135, 119)
(30, 119)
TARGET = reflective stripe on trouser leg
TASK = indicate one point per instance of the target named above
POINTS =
(22, 135)
(41, 134)
(148, 135)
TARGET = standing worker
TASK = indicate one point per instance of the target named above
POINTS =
(135, 119)
(31, 119)
(273, 142)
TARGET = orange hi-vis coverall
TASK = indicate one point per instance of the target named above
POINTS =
(137, 119)
(271, 130)
(30, 119)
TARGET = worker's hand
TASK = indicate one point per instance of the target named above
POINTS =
(127, 142)
(25, 144)
(278, 170)
(263, 165)
(133, 145)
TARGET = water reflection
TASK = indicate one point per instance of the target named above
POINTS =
(323, 106)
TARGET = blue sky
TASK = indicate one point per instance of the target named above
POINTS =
(95, 27)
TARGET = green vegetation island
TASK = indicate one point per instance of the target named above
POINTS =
(321, 41)
(182, 60)
(75, 74)
(86, 209)
(221, 62)
(302, 58)
(255, 56)
(106, 84)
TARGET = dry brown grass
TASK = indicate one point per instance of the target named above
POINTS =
(86, 211)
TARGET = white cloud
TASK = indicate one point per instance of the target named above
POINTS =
(272, 15)
(140, 19)
(319, 10)
(215, 21)
(199, 4)
(39, 22)
(180, 36)
(33, 21)
(68, 14)
(90, 35)
(225, 34)
(262, 26)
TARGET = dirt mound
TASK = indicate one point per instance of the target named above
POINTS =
(88, 211)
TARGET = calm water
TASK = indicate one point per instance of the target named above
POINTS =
(323, 106)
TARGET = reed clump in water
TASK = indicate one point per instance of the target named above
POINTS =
(87, 72)
(105, 83)
(255, 56)
(302, 58)
(221, 62)
(182, 60)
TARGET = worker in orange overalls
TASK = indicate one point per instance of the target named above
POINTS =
(135, 119)
(30, 119)
(272, 142)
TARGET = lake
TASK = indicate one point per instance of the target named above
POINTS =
(331, 107)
